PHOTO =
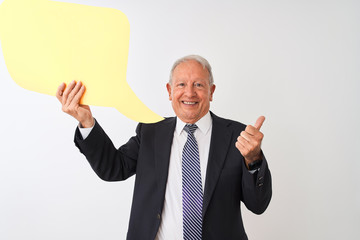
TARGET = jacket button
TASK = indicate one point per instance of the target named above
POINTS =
(158, 216)
(260, 184)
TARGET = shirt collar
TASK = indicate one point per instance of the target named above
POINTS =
(203, 124)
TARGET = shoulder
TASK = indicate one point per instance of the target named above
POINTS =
(229, 123)
(167, 124)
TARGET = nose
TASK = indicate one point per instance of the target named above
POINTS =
(190, 90)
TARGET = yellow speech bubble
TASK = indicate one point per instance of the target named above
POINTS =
(46, 43)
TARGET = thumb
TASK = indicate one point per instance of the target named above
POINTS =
(259, 122)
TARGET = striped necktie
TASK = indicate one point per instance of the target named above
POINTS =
(192, 194)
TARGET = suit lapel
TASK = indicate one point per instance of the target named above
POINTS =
(163, 138)
(219, 145)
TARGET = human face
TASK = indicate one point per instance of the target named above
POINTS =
(190, 91)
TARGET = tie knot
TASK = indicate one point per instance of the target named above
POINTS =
(190, 128)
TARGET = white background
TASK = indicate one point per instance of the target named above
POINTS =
(296, 62)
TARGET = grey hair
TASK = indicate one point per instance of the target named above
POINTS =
(197, 58)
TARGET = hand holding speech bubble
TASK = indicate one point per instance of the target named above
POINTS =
(46, 43)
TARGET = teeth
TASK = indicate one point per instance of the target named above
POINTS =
(190, 103)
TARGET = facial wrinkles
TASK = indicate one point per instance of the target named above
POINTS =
(190, 91)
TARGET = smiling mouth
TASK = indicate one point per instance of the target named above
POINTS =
(189, 103)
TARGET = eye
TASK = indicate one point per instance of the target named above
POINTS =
(181, 84)
(198, 85)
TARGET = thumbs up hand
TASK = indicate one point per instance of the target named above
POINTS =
(249, 141)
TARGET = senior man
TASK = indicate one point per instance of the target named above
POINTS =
(192, 170)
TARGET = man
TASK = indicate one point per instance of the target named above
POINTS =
(192, 171)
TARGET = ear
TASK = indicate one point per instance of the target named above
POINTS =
(168, 87)
(212, 90)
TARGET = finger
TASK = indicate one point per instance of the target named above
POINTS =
(79, 94)
(244, 143)
(60, 91)
(245, 135)
(243, 146)
(239, 146)
(67, 91)
(73, 93)
(249, 143)
(259, 122)
(251, 130)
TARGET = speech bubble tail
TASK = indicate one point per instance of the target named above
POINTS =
(139, 112)
(142, 114)
(132, 107)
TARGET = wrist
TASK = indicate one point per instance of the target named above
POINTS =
(254, 165)
(87, 123)
(254, 162)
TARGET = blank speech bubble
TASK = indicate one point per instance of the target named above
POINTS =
(46, 43)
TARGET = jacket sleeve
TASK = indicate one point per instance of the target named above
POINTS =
(109, 163)
(256, 187)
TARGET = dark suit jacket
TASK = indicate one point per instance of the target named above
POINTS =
(147, 155)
